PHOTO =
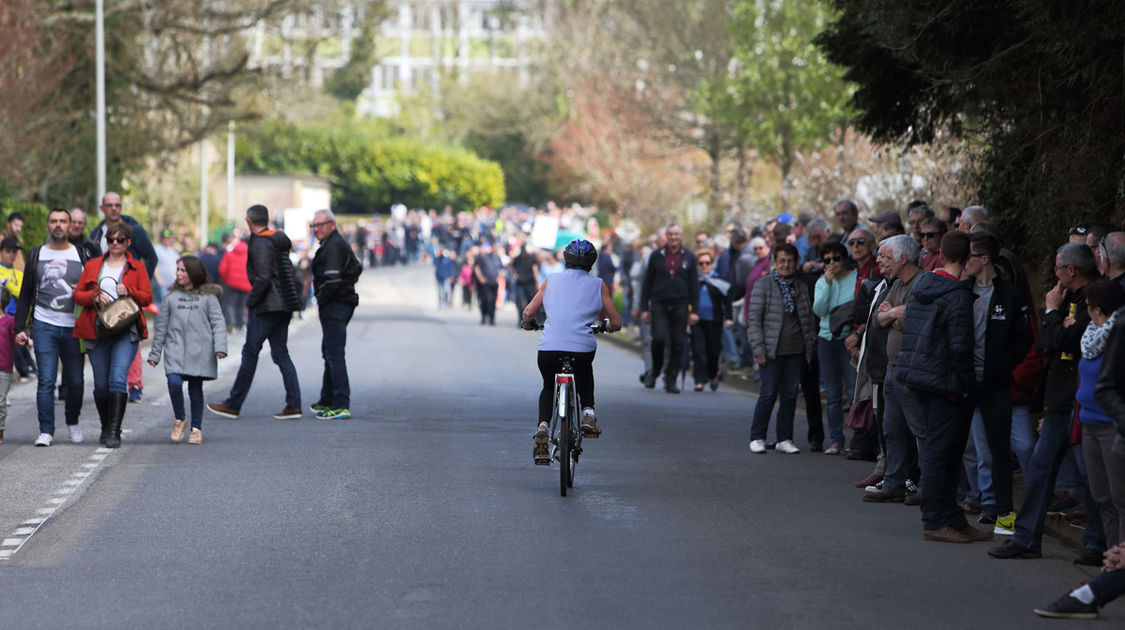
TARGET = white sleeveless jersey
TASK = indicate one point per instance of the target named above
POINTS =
(572, 299)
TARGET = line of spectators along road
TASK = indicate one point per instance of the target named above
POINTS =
(922, 337)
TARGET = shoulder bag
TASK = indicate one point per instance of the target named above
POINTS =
(117, 316)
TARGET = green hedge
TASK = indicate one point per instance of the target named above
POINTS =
(370, 173)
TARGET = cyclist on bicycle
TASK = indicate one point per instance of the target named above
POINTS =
(572, 299)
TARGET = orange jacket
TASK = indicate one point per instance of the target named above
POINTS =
(135, 278)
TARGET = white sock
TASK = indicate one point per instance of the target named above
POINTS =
(1083, 594)
(589, 411)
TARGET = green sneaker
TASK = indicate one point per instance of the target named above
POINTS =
(334, 414)
(1005, 525)
(318, 408)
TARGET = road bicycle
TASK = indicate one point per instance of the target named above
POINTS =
(565, 433)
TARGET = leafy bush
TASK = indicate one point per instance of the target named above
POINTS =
(370, 173)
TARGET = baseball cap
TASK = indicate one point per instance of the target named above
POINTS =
(887, 217)
(166, 234)
(785, 217)
(10, 242)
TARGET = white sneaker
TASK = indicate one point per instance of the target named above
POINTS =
(787, 447)
(44, 439)
(758, 446)
(875, 488)
(75, 433)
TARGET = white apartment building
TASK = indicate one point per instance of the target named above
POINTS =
(423, 40)
(419, 43)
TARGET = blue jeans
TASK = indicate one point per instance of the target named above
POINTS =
(110, 360)
(904, 429)
(838, 376)
(1023, 435)
(54, 344)
(1039, 483)
(262, 327)
(335, 393)
(780, 377)
(195, 394)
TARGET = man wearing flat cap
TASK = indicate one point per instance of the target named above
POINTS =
(886, 225)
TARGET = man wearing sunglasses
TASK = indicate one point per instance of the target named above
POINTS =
(931, 231)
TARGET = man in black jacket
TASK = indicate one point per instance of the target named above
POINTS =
(272, 301)
(1002, 328)
(335, 271)
(670, 301)
(936, 363)
(1060, 343)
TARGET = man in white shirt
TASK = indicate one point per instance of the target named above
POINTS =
(46, 305)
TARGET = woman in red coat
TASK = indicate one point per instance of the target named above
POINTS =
(104, 279)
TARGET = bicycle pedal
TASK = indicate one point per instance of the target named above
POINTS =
(542, 461)
(541, 454)
(591, 434)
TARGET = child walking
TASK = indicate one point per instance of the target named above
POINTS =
(192, 335)
(7, 353)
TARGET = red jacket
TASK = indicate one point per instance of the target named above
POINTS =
(135, 279)
(232, 268)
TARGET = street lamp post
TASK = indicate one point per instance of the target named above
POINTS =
(99, 74)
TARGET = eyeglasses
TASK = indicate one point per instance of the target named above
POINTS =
(978, 255)
(857, 241)
(832, 259)
(321, 224)
(704, 263)
(111, 205)
(930, 234)
(116, 239)
(1059, 268)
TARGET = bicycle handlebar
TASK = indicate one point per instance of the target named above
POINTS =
(596, 328)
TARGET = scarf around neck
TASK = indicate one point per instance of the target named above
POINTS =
(788, 291)
(1095, 338)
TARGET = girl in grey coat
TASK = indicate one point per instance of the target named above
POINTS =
(192, 335)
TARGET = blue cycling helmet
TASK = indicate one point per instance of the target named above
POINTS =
(580, 254)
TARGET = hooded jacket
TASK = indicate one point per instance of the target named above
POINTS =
(272, 286)
(189, 330)
(937, 337)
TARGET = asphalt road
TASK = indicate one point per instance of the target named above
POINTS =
(425, 509)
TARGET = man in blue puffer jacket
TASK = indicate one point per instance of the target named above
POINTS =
(936, 363)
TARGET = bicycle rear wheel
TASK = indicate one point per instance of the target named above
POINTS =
(566, 474)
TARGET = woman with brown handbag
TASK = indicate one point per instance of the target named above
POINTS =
(112, 344)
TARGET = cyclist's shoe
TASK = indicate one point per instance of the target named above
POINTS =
(590, 426)
(542, 450)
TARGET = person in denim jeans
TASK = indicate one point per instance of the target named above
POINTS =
(903, 425)
(783, 334)
(273, 299)
(835, 290)
(105, 279)
(46, 304)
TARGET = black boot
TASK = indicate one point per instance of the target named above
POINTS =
(118, 402)
(103, 415)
